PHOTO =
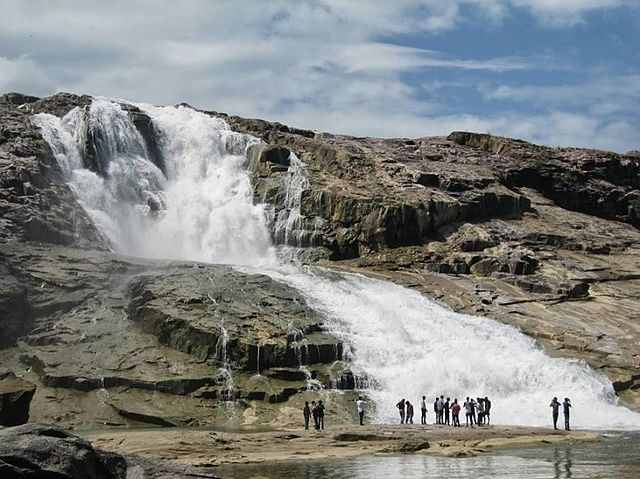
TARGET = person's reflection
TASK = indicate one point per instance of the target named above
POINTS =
(562, 462)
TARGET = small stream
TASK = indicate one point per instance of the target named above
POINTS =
(617, 458)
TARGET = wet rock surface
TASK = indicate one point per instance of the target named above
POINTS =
(117, 340)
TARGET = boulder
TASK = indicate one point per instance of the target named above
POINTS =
(39, 451)
(15, 399)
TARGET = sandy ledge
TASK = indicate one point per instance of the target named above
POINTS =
(202, 448)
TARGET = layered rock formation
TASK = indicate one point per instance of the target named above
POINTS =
(544, 239)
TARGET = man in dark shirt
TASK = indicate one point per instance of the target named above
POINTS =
(565, 409)
(400, 407)
(555, 406)
(446, 411)
(306, 411)
(320, 408)
(487, 409)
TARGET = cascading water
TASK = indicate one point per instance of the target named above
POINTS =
(289, 225)
(201, 208)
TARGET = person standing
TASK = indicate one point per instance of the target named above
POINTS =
(468, 413)
(435, 411)
(555, 406)
(306, 412)
(320, 408)
(409, 413)
(400, 407)
(566, 404)
(360, 404)
(423, 410)
(473, 412)
(447, 405)
(487, 410)
(455, 413)
(480, 404)
(314, 412)
(441, 409)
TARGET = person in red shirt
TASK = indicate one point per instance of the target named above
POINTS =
(455, 412)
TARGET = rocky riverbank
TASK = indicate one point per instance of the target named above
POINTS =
(207, 449)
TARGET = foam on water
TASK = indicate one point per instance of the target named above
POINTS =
(201, 208)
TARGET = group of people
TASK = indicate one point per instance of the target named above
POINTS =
(315, 410)
(555, 408)
(447, 412)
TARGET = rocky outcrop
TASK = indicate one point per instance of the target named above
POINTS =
(251, 321)
(35, 203)
(15, 399)
(36, 451)
(599, 183)
(367, 194)
(161, 343)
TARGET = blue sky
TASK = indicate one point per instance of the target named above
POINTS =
(557, 72)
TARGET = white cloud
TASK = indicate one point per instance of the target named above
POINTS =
(603, 95)
(567, 12)
(15, 73)
(322, 64)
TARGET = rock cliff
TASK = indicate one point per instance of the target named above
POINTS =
(545, 239)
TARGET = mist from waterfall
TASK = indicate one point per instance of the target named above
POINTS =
(201, 208)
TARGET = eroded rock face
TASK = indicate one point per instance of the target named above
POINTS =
(123, 341)
(15, 399)
(368, 194)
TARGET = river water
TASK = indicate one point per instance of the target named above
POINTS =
(618, 457)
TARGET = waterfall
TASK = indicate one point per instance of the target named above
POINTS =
(200, 208)
(289, 224)
(222, 354)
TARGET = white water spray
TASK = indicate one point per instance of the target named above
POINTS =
(406, 344)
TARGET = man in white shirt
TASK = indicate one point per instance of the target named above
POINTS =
(423, 410)
(360, 404)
